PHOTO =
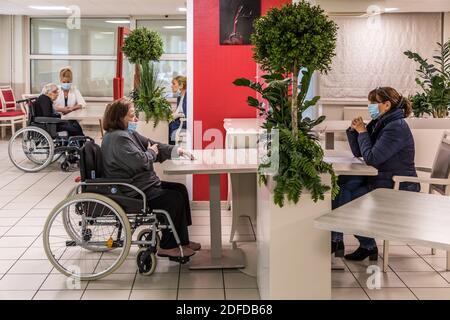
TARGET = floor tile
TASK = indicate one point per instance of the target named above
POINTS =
(11, 253)
(362, 266)
(8, 222)
(201, 294)
(59, 282)
(114, 281)
(35, 254)
(423, 280)
(156, 281)
(400, 251)
(385, 280)
(169, 294)
(106, 295)
(5, 265)
(426, 252)
(24, 231)
(348, 294)
(58, 295)
(409, 264)
(22, 281)
(432, 293)
(239, 281)
(201, 280)
(16, 242)
(342, 279)
(16, 295)
(446, 275)
(390, 294)
(437, 263)
(242, 294)
(31, 267)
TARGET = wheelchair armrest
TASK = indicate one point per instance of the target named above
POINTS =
(49, 120)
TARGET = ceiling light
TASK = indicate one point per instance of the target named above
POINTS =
(107, 32)
(182, 9)
(174, 27)
(46, 28)
(391, 9)
(48, 8)
(118, 21)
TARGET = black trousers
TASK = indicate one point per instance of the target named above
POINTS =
(172, 197)
(72, 127)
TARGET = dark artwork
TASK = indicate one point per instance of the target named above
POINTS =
(236, 20)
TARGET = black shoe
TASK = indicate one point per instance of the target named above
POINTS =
(360, 254)
(338, 248)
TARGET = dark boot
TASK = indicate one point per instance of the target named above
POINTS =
(360, 254)
(338, 248)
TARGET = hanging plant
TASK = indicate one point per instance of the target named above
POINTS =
(144, 47)
(293, 38)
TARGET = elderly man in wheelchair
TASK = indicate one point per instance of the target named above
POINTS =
(89, 234)
(47, 137)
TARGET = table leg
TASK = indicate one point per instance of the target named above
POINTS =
(216, 258)
(329, 140)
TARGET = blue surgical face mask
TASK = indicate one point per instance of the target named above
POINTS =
(132, 126)
(374, 111)
(66, 86)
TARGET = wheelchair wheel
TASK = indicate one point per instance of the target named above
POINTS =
(146, 235)
(31, 149)
(146, 261)
(71, 225)
(96, 221)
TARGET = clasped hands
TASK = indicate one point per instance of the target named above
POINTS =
(358, 125)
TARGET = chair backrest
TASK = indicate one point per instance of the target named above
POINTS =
(441, 165)
(9, 101)
(91, 165)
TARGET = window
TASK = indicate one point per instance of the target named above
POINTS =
(173, 61)
(90, 51)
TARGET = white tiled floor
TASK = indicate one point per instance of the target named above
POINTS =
(25, 273)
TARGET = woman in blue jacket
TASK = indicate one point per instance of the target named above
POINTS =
(387, 144)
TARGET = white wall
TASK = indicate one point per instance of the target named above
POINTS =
(5, 50)
(447, 26)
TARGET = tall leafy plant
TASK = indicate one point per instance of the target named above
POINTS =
(144, 47)
(435, 79)
(293, 38)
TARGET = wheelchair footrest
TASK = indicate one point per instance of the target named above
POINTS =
(181, 260)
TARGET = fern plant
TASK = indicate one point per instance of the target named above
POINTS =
(435, 79)
(300, 156)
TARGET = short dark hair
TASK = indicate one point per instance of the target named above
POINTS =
(114, 114)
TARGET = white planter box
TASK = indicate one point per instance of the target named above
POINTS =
(294, 260)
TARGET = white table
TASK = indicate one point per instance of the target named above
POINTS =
(89, 115)
(238, 163)
(409, 217)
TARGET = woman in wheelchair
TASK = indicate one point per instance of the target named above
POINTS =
(44, 108)
(127, 154)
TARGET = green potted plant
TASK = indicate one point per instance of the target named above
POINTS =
(435, 79)
(288, 40)
(144, 47)
(420, 105)
(293, 38)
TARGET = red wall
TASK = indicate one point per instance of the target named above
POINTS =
(215, 69)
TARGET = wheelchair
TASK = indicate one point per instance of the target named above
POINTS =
(38, 145)
(89, 234)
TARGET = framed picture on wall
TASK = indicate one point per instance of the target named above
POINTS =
(236, 20)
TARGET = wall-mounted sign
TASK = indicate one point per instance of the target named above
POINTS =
(236, 20)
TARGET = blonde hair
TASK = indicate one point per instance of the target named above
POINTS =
(66, 72)
(182, 81)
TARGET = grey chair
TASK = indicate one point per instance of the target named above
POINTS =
(438, 181)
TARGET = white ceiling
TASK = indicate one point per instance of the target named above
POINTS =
(95, 7)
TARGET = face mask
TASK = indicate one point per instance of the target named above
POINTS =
(132, 126)
(374, 111)
(66, 86)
